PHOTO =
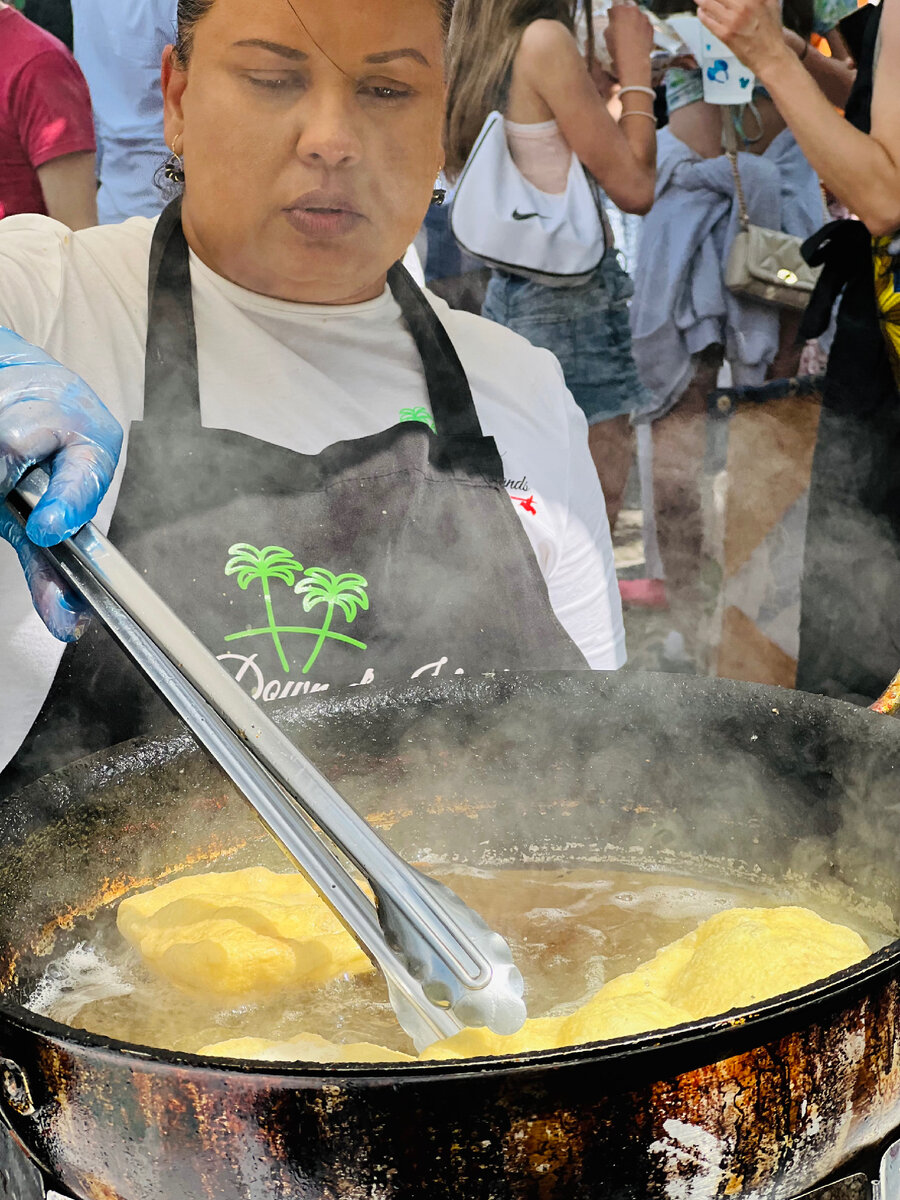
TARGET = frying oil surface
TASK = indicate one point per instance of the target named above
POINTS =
(571, 930)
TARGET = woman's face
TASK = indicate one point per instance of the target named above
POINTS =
(310, 154)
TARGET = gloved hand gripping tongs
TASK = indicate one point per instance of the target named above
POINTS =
(445, 968)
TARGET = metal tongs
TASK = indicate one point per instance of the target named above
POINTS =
(860, 1187)
(445, 968)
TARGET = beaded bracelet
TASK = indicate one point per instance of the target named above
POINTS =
(636, 112)
(636, 87)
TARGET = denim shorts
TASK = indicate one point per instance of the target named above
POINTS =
(586, 327)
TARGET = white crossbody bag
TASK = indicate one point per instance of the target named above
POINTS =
(499, 217)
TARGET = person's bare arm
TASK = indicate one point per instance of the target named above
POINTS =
(833, 75)
(838, 47)
(863, 170)
(69, 185)
(622, 158)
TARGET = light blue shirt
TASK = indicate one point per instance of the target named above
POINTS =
(119, 46)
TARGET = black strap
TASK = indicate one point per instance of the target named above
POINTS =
(171, 375)
(843, 249)
(448, 386)
(859, 104)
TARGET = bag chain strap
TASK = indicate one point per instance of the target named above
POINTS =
(729, 139)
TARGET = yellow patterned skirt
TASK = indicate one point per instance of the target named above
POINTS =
(887, 293)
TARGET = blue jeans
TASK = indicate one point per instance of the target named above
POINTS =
(586, 327)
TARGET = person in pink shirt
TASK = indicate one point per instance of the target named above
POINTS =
(47, 146)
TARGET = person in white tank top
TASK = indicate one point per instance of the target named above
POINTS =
(541, 153)
(523, 58)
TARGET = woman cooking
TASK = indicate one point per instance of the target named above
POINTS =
(310, 476)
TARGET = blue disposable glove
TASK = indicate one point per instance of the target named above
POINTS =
(50, 416)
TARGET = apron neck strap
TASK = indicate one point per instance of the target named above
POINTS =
(449, 392)
(171, 376)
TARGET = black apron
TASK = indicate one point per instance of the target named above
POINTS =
(850, 621)
(391, 557)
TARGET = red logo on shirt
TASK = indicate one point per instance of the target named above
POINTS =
(527, 502)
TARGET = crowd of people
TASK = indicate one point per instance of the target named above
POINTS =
(292, 151)
(82, 112)
(649, 354)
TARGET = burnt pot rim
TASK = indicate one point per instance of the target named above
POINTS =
(672, 1051)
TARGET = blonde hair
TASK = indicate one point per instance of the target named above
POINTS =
(484, 40)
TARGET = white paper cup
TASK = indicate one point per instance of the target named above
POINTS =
(725, 79)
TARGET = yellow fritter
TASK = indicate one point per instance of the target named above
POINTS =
(734, 960)
(306, 1047)
(539, 1033)
(595, 1021)
(601, 1019)
(239, 935)
(741, 957)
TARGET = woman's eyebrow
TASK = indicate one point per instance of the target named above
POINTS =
(275, 48)
(389, 56)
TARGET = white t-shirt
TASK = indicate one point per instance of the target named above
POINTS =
(119, 47)
(304, 377)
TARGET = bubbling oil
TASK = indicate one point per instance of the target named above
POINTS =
(571, 930)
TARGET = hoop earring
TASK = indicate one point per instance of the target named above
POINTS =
(174, 168)
(438, 196)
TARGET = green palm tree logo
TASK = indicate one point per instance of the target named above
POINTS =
(418, 414)
(251, 565)
(346, 592)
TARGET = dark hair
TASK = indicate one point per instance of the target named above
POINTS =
(799, 16)
(191, 12)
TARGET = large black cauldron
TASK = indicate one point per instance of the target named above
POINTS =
(717, 779)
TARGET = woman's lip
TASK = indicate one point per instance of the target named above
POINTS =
(323, 221)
